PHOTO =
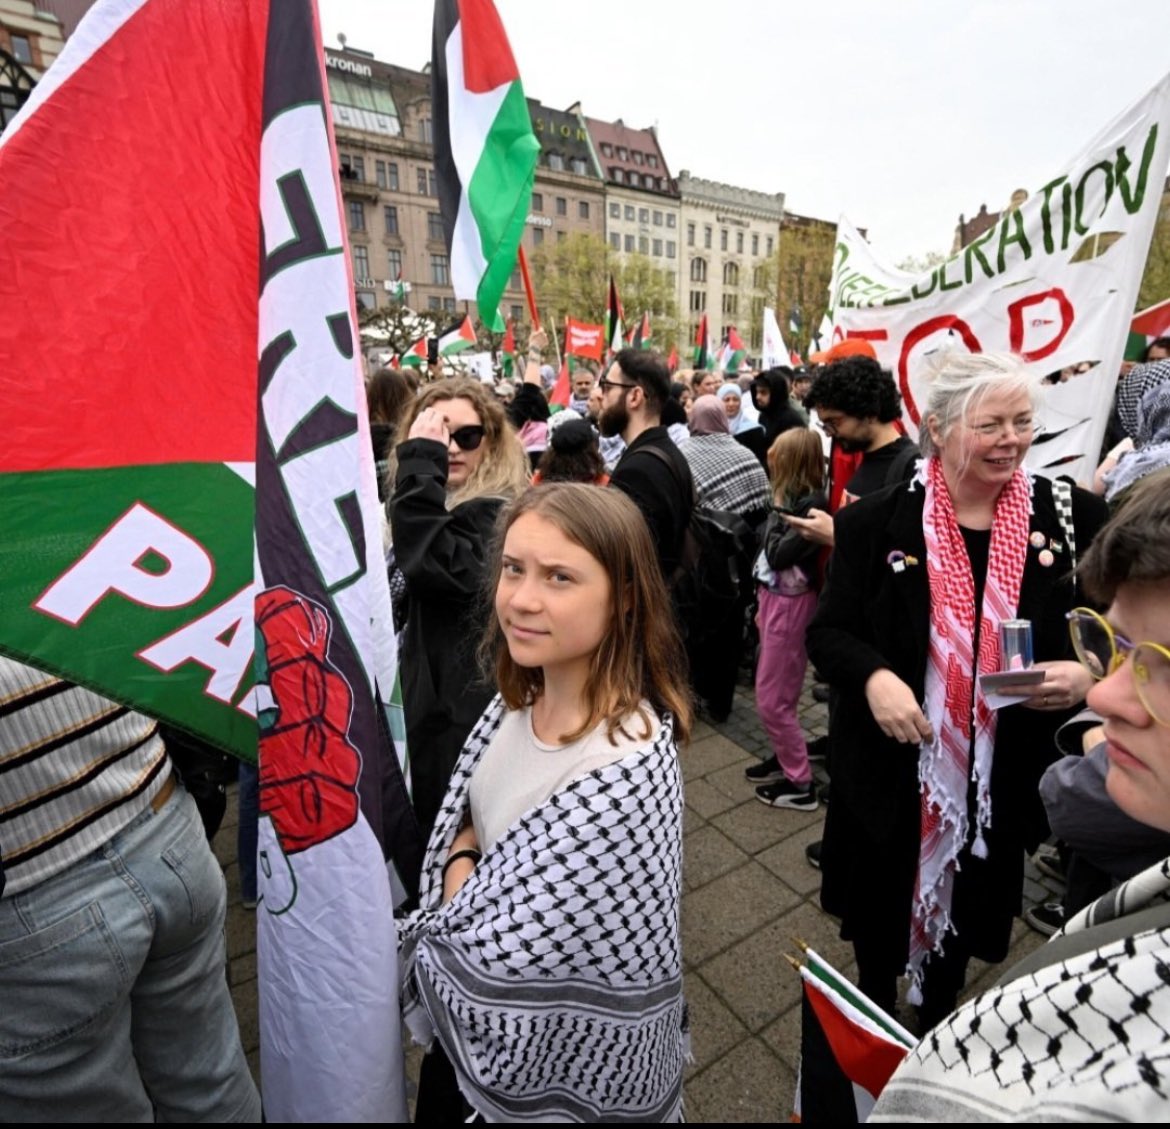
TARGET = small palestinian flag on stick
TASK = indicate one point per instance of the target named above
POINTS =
(508, 349)
(613, 319)
(416, 355)
(485, 150)
(641, 337)
(672, 360)
(456, 338)
(702, 347)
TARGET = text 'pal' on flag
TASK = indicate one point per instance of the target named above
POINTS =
(485, 150)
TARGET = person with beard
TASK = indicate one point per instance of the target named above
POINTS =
(612, 447)
(775, 409)
(581, 384)
(652, 472)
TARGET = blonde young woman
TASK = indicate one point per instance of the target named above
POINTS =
(460, 463)
(545, 956)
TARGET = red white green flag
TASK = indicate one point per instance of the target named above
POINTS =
(702, 347)
(416, 355)
(614, 316)
(508, 349)
(485, 150)
(563, 387)
(672, 360)
(641, 337)
(456, 338)
(733, 351)
(207, 548)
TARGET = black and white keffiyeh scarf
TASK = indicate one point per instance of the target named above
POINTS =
(553, 979)
(1083, 1039)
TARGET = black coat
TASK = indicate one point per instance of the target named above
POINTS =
(445, 558)
(872, 617)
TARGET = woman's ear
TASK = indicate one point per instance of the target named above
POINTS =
(933, 429)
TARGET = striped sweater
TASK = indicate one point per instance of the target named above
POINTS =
(75, 768)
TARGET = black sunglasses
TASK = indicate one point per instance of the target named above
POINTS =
(604, 384)
(467, 438)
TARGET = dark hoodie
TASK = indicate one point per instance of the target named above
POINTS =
(779, 415)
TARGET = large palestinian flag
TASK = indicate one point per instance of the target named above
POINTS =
(485, 150)
(188, 513)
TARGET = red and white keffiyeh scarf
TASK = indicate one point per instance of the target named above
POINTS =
(953, 699)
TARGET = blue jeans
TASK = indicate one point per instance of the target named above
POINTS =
(113, 999)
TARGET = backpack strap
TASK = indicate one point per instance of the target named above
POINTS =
(900, 464)
(660, 454)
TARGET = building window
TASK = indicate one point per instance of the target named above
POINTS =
(537, 236)
(630, 212)
(366, 300)
(616, 175)
(652, 160)
(514, 281)
(577, 164)
(657, 219)
(562, 206)
(615, 210)
(440, 271)
(22, 49)
(643, 215)
(690, 234)
(380, 173)
(759, 278)
(634, 180)
(434, 302)
(422, 182)
(449, 305)
(671, 248)
(723, 239)
(424, 128)
(698, 301)
(643, 245)
(730, 274)
(671, 219)
(358, 164)
(392, 176)
(707, 236)
(357, 216)
(731, 304)
(739, 242)
(671, 279)
(698, 270)
(517, 313)
(615, 241)
(556, 162)
(755, 243)
(623, 153)
(538, 201)
(561, 236)
(361, 262)
(629, 243)
(390, 215)
(432, 190)
(394, 263)
(582, 209)
(606, 149)
(637, 155)
(657, 245)
(769, 244)
(434, 225)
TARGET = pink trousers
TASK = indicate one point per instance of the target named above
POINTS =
(780, 677)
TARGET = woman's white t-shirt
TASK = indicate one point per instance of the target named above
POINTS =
(518, 772)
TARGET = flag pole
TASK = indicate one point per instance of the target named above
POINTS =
(556, 343)
(529, 293)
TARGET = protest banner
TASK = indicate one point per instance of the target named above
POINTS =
(1054, 281)
(207, 547)
(583, 339)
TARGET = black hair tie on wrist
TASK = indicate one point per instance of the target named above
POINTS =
(466, 853)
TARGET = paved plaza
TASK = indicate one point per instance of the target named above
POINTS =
(749, 894)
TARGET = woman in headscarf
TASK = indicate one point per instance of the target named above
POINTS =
(1151, 443)
(935, 792)
(1146, 428)
(745, 431)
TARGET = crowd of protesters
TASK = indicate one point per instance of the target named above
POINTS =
(545, 589)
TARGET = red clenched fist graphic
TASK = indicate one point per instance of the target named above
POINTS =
(308, 767)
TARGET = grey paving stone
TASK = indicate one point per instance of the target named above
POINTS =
(786, 860)
(755, 826)
(708, 853)
(783, 1037)
(711, 753)
(714, 1028)
(730, 908)
(748, 1084)
(705, 799)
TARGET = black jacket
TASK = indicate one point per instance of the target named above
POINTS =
(871, 616)
(444, 557)
(665, 498)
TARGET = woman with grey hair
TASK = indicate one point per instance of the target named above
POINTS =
(935, 792)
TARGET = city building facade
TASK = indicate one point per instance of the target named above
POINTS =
(31, 37)
(730, 238)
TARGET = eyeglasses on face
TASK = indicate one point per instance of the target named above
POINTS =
(605, 384)
(467, 438)
(1102, 651)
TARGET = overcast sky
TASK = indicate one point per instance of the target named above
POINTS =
(899, 115)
